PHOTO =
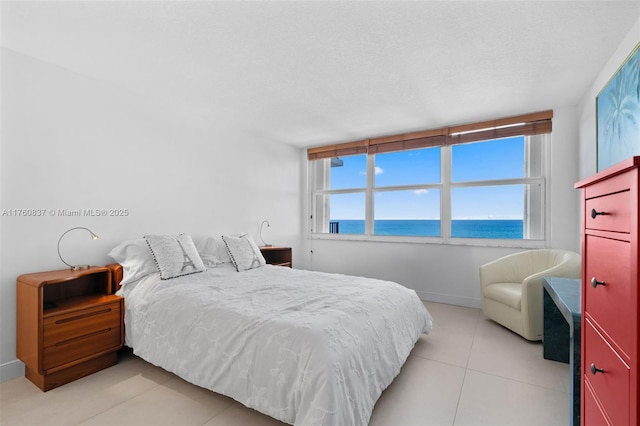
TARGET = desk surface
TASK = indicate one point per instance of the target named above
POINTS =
(565, 292)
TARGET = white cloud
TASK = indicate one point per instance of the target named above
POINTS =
(421, 191)
(379, 171)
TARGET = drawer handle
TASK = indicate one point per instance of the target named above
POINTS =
(75, 339)
(595, 370)
(594, 213)
(87, 315)
(595, 283)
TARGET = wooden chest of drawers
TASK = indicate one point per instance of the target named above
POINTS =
(69, 324)
(610, 278)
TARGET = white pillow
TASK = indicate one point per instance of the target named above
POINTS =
(213, 251)
(175, 255)
(135, 258)
(244, 252)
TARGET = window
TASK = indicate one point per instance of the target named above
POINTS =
(497, 189)
(340, 194)
(406, 193)
(454, 187)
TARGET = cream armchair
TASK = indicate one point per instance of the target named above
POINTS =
(511, 287)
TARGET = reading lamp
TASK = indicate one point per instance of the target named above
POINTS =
(76, 267)
(262, 239)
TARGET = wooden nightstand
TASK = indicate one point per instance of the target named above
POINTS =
(279, 256)
(69, 325)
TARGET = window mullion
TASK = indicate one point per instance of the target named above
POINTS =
(445, 194)
(341, 191)
(408, 187)
(498, 182)
(368, 223)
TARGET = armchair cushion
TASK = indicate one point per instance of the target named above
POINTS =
(509, 294)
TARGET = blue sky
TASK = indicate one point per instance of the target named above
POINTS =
(499, 159)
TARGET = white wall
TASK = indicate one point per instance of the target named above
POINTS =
(447, 273)
(587, 107)
(71, 142)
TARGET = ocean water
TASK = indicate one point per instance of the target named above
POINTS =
(468, 228)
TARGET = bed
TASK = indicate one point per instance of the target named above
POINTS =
(304, 347)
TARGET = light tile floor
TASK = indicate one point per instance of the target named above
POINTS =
(467, 371)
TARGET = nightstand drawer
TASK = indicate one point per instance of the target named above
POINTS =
(616, 209)
(70, 325)
(82, 346)
(609, 303)
(611, 384)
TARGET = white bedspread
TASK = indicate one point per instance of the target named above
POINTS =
(307, 348)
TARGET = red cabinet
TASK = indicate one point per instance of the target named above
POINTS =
(610, 279)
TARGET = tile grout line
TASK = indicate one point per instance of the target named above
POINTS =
(116, 405)
(222, 411)
(511, 379)
(466, 367)
(506, 377)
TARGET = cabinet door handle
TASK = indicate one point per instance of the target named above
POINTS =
(595, 283)
(594, 213)
(595, 370)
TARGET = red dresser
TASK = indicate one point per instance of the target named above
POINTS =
(610, 279)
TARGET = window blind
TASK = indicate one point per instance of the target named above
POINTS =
(519, 125)
(337, 150)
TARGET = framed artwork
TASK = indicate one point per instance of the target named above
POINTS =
(618, 114)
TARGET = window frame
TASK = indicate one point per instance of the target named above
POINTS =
(445, 186)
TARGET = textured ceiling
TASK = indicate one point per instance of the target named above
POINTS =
(308, 73)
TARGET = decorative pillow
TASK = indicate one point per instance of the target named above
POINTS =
(244, 252)
(175, 255)
(213, 251)
(135, 258)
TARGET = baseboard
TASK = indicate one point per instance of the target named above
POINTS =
(468, 302)
(11, 370)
